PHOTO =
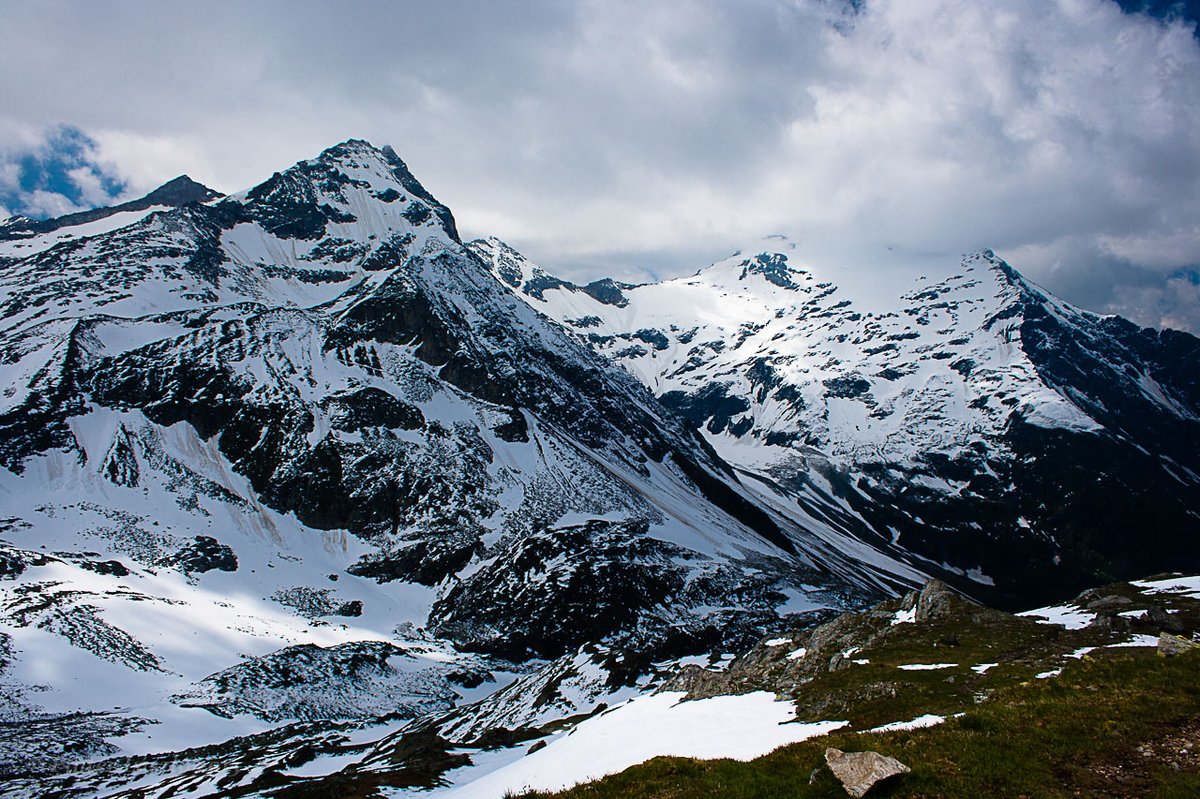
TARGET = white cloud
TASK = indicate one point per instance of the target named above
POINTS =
(628, 137)
(42, 203)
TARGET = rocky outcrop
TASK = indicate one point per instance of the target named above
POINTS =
(784, 663)
(204, 553)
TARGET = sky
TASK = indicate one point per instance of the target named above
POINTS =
(646, 140)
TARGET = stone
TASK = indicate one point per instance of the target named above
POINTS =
(1109, 603)
(859, 772)
(1159, 617)
(1171, 645)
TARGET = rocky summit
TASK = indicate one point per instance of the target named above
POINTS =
(301, 492)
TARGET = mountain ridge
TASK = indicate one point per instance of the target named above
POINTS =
(178, 191)
(938, 391)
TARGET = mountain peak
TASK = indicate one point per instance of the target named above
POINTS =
(179, 191)
(316, 191)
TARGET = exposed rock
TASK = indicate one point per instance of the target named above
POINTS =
(1160, 618)
(1108, 603)
(1171, 645)
(936, 600)
(120, 466)
(352, 680)
(203, 554)
(1111, 621)
(859, 772)
(10, 565)
(786, 665)
(111, 568)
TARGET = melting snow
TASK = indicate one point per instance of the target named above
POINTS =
(1068, 616)
(739, 727)
(1139, 640)
(927, 666)
(1186, 585)
(928, 720)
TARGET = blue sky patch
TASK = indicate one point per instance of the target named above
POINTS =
(59, 176)
(1164, 9)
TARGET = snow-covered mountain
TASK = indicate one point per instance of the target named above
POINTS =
(295, 482)
(295, 455)
(1017, 446)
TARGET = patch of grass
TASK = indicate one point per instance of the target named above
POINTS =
(1080, 734)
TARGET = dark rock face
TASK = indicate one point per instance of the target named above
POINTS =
(112, 568)
(596, 581)
(203, 554)
(372, 407)
(772, 266)
(607, 291)
(710, 406)
(429, 561)
(11, 565)
(120, 465)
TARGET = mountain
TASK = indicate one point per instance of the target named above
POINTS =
(302, 495)
(971, 423)
(293, 462)
(174, 193)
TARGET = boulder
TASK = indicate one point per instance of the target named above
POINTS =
(1110, 603)
(859, 772)
(1159, 617)
(1170, 645)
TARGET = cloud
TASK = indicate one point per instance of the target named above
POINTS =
(59, 174)
(610, 136)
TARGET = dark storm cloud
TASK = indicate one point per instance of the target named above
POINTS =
(633, 138)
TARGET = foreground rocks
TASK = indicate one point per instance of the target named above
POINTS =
(1171, 645)
(859, 772)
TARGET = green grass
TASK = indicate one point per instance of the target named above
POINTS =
(1060, 737)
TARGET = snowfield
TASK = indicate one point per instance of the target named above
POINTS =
(739, 727)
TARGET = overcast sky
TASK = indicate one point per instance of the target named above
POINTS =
(640, 139)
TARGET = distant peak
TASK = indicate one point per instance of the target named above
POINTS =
(179, 191)
(174, 193)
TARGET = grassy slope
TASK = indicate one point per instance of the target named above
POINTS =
(1084, 732)
(1075, 735)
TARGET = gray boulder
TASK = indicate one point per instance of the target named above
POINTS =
(1170, 645)
(859, 772)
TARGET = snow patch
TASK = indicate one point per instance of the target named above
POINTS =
(738, 727)
(920, 722)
